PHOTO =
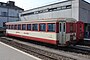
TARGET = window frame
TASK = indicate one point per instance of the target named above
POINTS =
(54, 27)
(35, 28)
(18, 26)
(4, 14)
(12, 26)
(25, 27)
(30, 27)
(7, 26)
(45, 27)
(15, 27)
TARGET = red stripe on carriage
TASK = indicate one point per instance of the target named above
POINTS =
(34, 38)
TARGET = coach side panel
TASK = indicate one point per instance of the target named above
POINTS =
(33, 35)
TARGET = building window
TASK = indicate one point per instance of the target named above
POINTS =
(45, 10)
(68, 6)
(48, 10)
(4, 13)
(41, 11)
(4, 24)
(4, 4)
(59, 8)
(27, 14)
(43, 27)
(63, 7)
(0, 4)
(19, 27)
(35, 27)
(36, 12)
(28, 26)
(23, 26)
(52, 9)
(51, 27)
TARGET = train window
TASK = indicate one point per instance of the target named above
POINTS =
(23, 26)
(11, 26)
(28, 26)
(35, 27)
(42, 27)
(7, 27)
(15, 26)
(51, 27)
(19, 27)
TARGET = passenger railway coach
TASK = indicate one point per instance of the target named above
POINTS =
(58, 31)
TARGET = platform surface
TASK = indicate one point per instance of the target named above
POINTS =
(9, 53)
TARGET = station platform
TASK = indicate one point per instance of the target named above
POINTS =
(9, 53)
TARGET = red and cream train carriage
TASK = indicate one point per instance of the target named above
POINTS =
(52, 31)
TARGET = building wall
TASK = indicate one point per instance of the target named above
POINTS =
(75, 9)
(9, 12)
(64, 13)
(84, 15)
(2, 19)
(80, 11)
(8, 15)
(84, 11)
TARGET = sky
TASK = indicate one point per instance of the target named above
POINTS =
(30, 4)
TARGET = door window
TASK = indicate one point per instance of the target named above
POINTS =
(60, 27)
(63, 27)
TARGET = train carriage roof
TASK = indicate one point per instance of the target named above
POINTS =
(44, 20)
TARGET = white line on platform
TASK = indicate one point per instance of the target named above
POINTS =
(20, 51)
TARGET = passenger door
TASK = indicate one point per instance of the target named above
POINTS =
(62, 32)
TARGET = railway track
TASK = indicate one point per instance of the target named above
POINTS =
(43, 54)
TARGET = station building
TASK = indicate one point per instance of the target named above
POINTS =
(9, 12)
(76, 9)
